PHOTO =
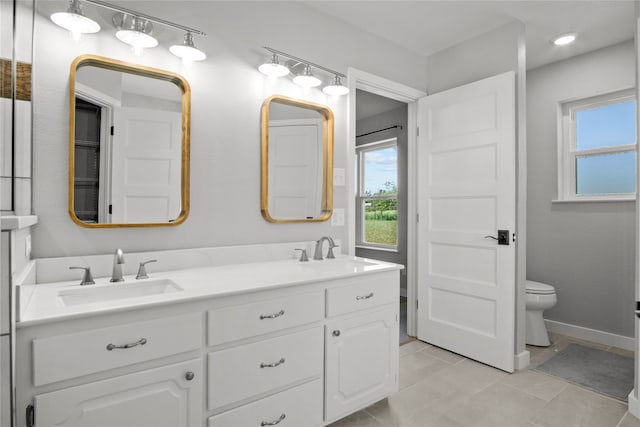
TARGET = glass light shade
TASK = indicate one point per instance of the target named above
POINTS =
(564, 39)
(273, 68)
(187, 53)
(75, 22)
(336, 88)
(307, 79)
(136, 39)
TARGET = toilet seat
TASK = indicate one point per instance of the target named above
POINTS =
(538, 288)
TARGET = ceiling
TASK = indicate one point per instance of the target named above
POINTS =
(427, 26)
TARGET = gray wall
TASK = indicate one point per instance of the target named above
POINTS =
(586, 250)
(370, 124)
(227, 93)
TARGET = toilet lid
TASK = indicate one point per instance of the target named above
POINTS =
(539, 288)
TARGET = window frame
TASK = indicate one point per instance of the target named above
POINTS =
(361, 197)
(568, 153)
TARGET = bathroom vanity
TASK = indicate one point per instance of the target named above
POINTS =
(267, 343)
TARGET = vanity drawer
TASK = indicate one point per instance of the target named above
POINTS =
(249, 370)
(362, 293)
(249, 320)
(68, 356)
(298, 407)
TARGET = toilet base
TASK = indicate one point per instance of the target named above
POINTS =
(536, 329)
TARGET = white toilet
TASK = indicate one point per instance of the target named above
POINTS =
(540, 297)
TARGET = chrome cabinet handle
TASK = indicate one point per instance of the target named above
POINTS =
(359, 297)
(336, 333)
(273, 423)
(272, 365)
(142, 341)
(272, 316)
(189, 376)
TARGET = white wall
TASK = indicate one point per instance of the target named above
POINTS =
(227, 92)
(586, 250)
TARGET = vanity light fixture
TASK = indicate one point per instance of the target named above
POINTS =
(336, 88)
(134, 28)
(564, 39)
(305, 78)
(274, 68)
(75, 21)
(187, 50)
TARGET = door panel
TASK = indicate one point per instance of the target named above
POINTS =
(466, 185)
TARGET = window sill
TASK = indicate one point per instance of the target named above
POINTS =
(626, 199)
(378, 248)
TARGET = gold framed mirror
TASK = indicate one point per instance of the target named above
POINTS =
(297, 161)
(129, 144)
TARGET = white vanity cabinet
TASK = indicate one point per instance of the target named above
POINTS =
(300, 355)
(361, 344)
(169, 396)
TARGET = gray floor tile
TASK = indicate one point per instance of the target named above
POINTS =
(412, 347)
(417, 366)
(578, 407)
(629, 421)
(358, 419)
(536, 384)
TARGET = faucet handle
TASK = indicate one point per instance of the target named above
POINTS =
(330, 254)
(303, 255)
(142, 271)
(87, 278)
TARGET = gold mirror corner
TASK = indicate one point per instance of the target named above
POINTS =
(129, 144)
(297, 149)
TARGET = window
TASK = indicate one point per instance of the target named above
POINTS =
(377, 194)
(597, 138)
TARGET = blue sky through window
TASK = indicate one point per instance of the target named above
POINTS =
(380, 166)
(607, 126)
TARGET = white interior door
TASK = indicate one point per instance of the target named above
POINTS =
(146, 166)
(295, 165)
(466, 191)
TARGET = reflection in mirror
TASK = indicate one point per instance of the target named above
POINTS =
(297, 160)
(129, 145)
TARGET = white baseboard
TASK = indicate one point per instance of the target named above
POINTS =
(522, 360)
(634, 406)
(600, 337)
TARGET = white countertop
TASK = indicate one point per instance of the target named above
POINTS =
(45, 305)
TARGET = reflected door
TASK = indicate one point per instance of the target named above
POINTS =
(295, 159)
(467, 283)
(146, 159)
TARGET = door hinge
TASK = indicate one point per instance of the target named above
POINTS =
(417, 131)
(31, 416)
(110, 209)
(416, 304)
(417, 217)
(112, 130)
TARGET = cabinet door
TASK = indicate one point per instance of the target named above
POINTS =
(154, 398)
(362, 360)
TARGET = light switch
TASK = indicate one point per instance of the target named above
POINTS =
(338, 177)
(337, 219)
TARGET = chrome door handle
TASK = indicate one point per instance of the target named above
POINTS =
(142, 341)
(272, 316)
(359, 297)
(272, 365)
(274, 422)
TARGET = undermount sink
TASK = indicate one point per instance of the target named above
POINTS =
(101, 293)
(342, 264)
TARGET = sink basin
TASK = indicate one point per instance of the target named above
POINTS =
(354, 265)
(101, 293)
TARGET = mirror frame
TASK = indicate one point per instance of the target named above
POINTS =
(140, 70)
(327, 158)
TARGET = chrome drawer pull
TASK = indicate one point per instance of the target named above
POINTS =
(359, 297)
(272, 316)
(142, 341)
(272, 365)
(273, 423)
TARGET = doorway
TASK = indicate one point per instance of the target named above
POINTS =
(381, 185)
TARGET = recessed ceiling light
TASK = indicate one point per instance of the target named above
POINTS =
(564, 39)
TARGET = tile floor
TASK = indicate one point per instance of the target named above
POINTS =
(443, 389)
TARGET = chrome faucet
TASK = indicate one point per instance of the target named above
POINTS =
(317, 253)
(118, 260)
